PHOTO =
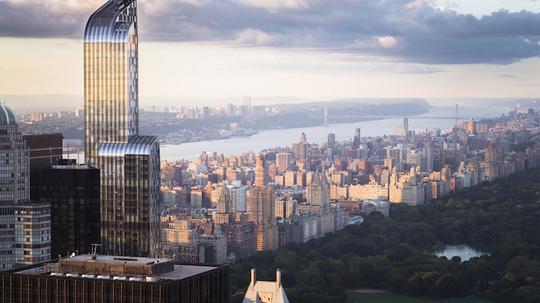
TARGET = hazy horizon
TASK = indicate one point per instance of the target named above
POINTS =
(24, 104)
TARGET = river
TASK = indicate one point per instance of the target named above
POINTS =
(319, 134)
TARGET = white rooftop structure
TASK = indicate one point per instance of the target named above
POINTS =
(265, 291)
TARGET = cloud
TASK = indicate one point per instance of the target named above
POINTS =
(253, 37)
(392, 30)
(418, 3)
(387, 41)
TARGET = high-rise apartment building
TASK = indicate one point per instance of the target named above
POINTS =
(260, 208)
(283, 162)
(490, 152)
(128, 162)
(318, 192)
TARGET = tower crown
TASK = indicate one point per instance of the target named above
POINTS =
(7, 117)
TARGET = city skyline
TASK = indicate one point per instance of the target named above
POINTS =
(133, 195)
(202, 45)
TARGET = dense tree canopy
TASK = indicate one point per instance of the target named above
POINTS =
(396, 253)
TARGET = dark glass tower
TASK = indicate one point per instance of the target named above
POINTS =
(128, 162)
(73, 193)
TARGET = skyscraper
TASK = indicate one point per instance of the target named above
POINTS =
(25, 230)
(261, 211)
(128, 162)
(261, 172)
(357, 137)
(406, 127)
(73, 193)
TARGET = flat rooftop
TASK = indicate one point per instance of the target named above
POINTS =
(73, 167)
(116, 268)
(116, 259)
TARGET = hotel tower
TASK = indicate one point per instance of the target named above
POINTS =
(128, 162)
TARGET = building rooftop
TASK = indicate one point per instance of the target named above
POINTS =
(116, 268)
(73, 167)
(137, 145)
(265, 291)
(115, 260)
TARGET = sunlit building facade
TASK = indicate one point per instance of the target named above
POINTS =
(128, 162)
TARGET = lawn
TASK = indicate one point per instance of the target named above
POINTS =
(392, 298)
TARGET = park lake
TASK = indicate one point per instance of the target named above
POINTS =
(465, 252)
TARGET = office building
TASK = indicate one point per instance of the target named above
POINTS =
(73, 193)
(25, 230)
(129, 164)
(108, 279)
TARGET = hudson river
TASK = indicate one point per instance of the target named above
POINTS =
(319, 134)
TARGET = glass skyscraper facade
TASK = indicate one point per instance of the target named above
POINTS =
(128, 162)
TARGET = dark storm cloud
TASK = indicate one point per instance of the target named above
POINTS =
(401, 30)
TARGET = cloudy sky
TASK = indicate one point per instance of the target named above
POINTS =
(302, 48)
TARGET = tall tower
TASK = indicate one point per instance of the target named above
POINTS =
(357, 137)
(261, 211)
(261, 172)
(300, 149)
(406, 127)
(128, 162)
